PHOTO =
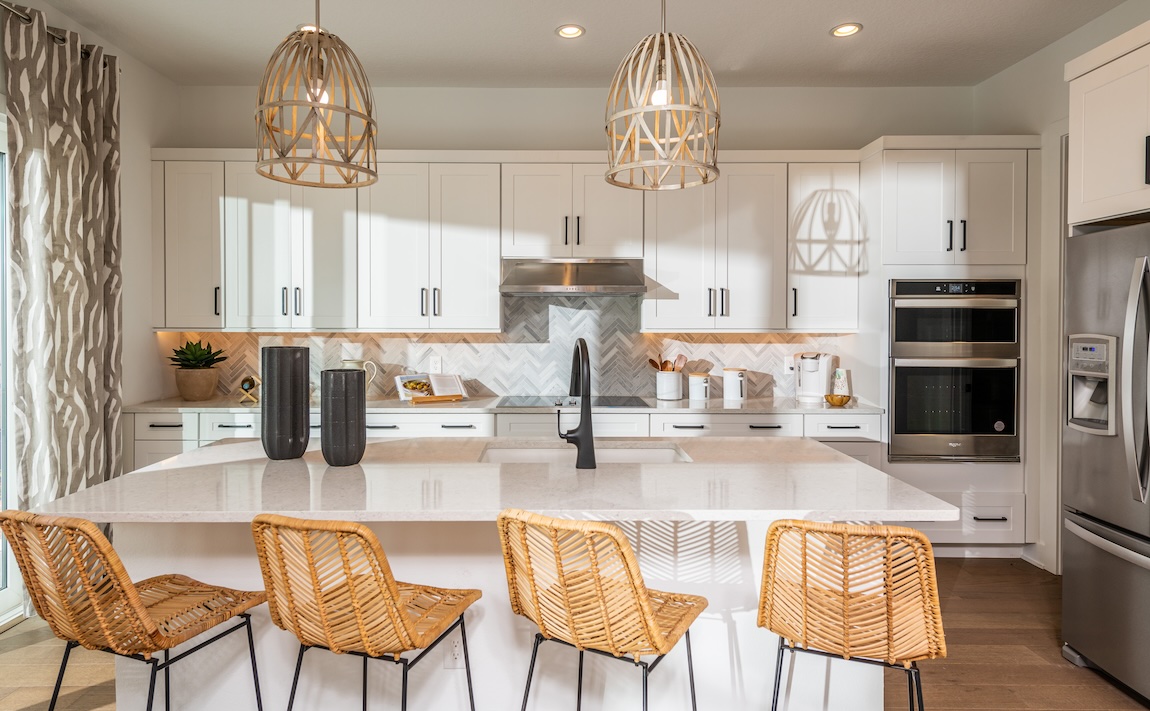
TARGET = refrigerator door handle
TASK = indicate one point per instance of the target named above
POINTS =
(1109, 546)
(1134, 459)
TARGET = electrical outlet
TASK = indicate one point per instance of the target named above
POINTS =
(454, 657)
(435, 364)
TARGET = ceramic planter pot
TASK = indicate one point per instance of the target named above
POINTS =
(197, 383)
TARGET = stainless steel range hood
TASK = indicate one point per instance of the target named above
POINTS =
(586, 277)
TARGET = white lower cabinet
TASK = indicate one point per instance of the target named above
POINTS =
(225, 425)
(984, 517)
(157, 436)
(842, 427)
(604, 424)
(715, 425)
(430, 424)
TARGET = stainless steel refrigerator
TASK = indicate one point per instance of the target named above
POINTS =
(1106, 454)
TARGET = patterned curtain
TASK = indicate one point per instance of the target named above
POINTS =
(64, 279)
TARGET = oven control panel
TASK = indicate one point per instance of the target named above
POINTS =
(971, 287)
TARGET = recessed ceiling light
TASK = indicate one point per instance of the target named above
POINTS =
(846, 29)
(569, 31)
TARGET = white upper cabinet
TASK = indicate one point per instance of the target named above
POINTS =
(716, 254)
(290, 253)
(429, 246)
(954, 207)
(824, 246)
(1109, 129)
(193, 243)
(558, 210)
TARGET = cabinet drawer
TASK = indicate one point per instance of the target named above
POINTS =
(430, 425)
(167, 426)
(704, 425)
(605, 424)
(984, 517)
(857, 427)
(223, 425)
(148, 452)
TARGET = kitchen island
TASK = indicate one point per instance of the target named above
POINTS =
(695, 509)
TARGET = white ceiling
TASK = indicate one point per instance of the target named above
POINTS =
(512, 43)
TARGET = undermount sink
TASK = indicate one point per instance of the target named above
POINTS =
(566, 455)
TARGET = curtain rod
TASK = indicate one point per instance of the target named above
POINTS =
(59, 38)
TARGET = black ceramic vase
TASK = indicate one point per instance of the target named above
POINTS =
(343, 416)
(284, 406)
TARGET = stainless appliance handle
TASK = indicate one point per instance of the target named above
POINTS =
(955, 363)
(1133, 458)
(957, 302)
(1109, 546)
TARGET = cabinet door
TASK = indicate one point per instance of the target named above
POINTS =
(751, 246)
(537, 219)
(324, 287)
(608, 219)
(990, 207)
(918, 224)
(824, 246)
(1109, 122)
(394, 254)
(679, 244)
(465, 247)
(258, 248)
(193, 242)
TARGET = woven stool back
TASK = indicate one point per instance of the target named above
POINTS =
(579, 582)
(78, 584)
(858, 591)
(329, 583)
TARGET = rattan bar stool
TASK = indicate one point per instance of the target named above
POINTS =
(863, 593)
(580, 583)
(330, 585)
(78, 585)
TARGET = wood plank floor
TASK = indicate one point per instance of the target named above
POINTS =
(1002, 631)
(1002, 624)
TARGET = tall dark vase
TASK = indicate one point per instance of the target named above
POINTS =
(284, 406)
(343, 416)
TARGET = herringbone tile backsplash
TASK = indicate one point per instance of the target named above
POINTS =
(533, 354)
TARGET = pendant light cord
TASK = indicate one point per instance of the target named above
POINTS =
(663, 16)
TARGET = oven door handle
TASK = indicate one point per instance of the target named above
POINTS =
(956, 362)
(956, 303)
(1135, 460)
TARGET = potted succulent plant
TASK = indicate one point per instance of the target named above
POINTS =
(196, 379)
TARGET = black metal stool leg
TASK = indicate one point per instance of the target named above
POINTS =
(252, 653)
(531, 669)
(60, 676)
(646, 670)
(151, 683)
(778, 675)
(909, 689)
(467, 662)
(403, 702)
(295, 679)
(365, 684)
(691, 671)
(918, 686)
(167, 683)
(579, 688)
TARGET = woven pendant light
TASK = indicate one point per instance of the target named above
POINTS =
(314, 117)
(663, 116)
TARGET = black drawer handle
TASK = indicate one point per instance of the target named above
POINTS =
(765, 427)
(990, 518)
(383, 427)
(216, 300)
(234, 427)
(316, 427)
(156, 425)
(844, 427)
(950, 239)
(458, 427)
(689, 427)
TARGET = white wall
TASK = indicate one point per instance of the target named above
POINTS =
(530, 119)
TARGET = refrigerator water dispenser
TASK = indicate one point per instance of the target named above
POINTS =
(1090, 383)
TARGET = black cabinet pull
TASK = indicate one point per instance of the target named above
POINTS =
(765, 427)
(566, 220)
(216, 300)
(710, 302)
(689, 427)
(298, 295)
(423, 301)
(578, 230)
(223, 426)
(435, 301)
(157, 425)
(1147, 162)
(844, 427)
(950, 239)
(723, 301)
(795, 294)
(283, 301)
(315, 427)
(383, 427)
(963, 249)
(990, 518)
(457, 427)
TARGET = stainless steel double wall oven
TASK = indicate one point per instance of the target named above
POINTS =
(955, 352)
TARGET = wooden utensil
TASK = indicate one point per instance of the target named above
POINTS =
(680, 361)
(654, 363)
(431, 399)
(667, 366)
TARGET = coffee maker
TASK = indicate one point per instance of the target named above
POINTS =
(814, 375)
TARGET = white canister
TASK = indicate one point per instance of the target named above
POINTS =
(669, 385)
(698, 386)
(734, 383)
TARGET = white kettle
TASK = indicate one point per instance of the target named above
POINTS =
(814, 375)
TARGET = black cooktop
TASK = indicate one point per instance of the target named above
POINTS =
(550, 401)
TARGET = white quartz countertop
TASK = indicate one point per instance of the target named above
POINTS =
(426, 479)
(755, 406)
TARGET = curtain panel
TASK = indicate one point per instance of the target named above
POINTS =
(64, 276)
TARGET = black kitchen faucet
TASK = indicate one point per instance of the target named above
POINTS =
(581, 436)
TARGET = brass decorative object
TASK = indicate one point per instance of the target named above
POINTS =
(663, 116)
(315, 122)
